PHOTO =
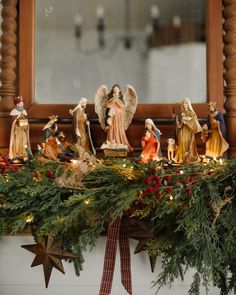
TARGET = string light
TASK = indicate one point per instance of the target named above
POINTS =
(87, 201)
(29, 218)
(60, 219)
(6, 177)
(74, 163)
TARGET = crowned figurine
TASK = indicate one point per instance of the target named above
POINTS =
(19, 138)
(215, 135)
(54, 146)
(51, 128)
(115, 112)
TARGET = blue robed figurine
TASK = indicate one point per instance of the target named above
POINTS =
(151, 143)
(216, 144)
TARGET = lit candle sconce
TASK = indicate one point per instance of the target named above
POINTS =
(127, 37)
(78, 26)
(100, 13)
(149, 32)
(155, 16)
(177, 22)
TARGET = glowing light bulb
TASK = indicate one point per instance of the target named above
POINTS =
(29, 219)
(87, 201)
(74, 162)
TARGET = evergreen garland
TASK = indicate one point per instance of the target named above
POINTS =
(193, 208)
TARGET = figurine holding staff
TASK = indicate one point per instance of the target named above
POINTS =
(19, 138)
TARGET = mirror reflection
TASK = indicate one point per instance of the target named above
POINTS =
(157, 46)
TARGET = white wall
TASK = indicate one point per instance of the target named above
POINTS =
(18, 278)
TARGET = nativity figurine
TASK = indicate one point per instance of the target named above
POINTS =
(51, 128)
(115, 112)
(19, 147)
(54, 146)
(171, 148)
(81, 127)
(187, 126)
(215, 135)
(151, 143)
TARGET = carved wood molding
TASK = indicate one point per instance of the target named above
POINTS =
(229, 27)
(8, 54)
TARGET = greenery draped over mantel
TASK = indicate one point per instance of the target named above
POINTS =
(192, 208)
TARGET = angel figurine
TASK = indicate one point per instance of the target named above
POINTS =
(115, 112)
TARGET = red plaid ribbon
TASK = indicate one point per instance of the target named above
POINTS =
(117, 230)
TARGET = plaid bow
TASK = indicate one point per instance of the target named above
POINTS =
(117, 230)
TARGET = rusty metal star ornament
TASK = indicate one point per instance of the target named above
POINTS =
(143, 232)
(49, 253)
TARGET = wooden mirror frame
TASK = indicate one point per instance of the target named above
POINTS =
(161, 113)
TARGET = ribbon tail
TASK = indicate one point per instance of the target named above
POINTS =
(125, 260)
(110, 257)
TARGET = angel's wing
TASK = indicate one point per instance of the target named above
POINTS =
(100, 101)
(131, 101)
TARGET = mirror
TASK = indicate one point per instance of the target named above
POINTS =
(157, 46)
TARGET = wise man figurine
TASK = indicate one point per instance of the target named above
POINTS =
(19, 138)
(215, 135)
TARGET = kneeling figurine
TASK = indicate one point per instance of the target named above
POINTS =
(151, 143)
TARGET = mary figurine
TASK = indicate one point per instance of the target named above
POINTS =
(151, 142)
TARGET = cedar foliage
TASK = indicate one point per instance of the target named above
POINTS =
(193, 208)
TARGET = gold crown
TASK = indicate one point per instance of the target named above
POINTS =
(212, 104)
(18, 99)
(53, 118)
